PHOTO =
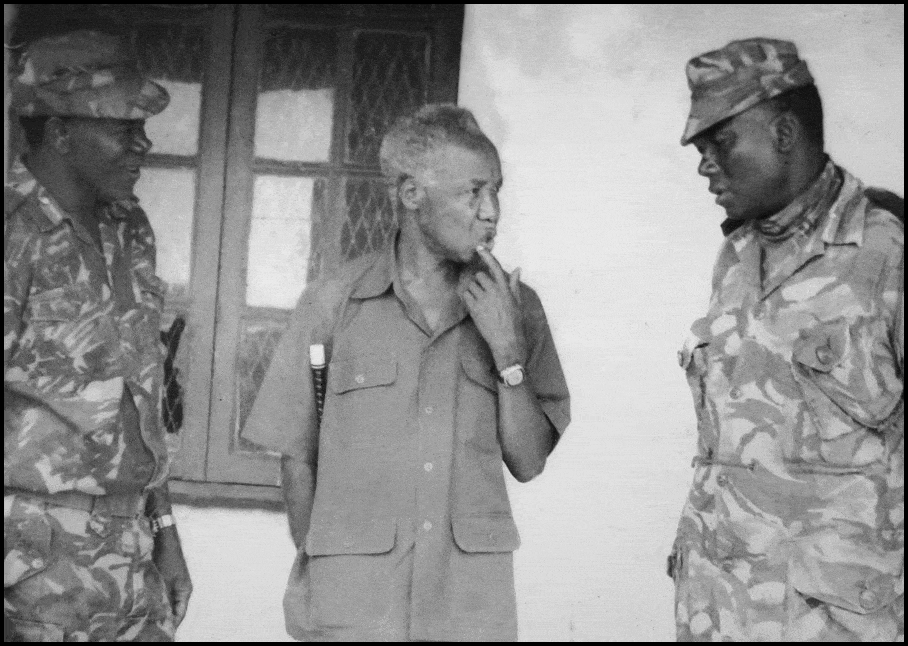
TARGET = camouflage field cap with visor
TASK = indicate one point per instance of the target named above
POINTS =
(728, 81)
(83, 74)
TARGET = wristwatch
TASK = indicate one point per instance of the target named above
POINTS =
(160, 522)
(512, 375)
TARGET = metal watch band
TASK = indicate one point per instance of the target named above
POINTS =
(160, 522)
(504, 375)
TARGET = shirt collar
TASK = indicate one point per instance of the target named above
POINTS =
(380, 275)
(802, 214)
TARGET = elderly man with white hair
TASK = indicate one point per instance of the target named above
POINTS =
(441, 366)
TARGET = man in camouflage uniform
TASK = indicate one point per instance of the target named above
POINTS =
(794, 526)
(90, 552)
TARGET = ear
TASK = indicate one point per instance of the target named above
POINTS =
(786, 131)
(57, 135)
(411, 193)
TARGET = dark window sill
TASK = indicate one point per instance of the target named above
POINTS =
(225, 495)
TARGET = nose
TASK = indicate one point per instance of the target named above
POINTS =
(140, 142)
(489, 210)
(708, 165)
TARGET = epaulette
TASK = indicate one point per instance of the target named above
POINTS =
(12, 200)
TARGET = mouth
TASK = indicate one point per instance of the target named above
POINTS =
(721, 194)
(488, 238)
(134, 171)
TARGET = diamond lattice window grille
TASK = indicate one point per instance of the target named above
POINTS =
(389, 79)
(257, 343)
(370, 222)
(170, 51)
(298, 59)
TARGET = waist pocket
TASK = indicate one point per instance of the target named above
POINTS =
(476, 534)
(24, 630)
(27, 536)
(855, 578)
(353, 536)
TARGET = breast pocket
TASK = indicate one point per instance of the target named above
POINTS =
(363, 405)
(850, 388)
(71, 325)
(844, 377)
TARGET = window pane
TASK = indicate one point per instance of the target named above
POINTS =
(279, 239)
(168, 197)
(370, 221)
(296, 95)
(389, 80)
(173, 55)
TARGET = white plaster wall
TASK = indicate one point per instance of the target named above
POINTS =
(604, 212)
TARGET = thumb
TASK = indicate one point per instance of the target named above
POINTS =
(515, 284)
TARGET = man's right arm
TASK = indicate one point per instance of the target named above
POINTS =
(298, 487)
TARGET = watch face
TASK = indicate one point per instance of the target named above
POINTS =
(514, 378)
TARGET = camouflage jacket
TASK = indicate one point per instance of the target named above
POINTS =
(72, 349)
(797, 378)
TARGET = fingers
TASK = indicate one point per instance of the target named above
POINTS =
(493, 265)
(180, 604)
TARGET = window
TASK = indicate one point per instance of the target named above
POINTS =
(264, 174)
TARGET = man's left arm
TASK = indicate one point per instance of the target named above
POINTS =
(527, 430)
(168, 553)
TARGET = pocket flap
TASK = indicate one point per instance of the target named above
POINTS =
(362, 372)
(822, 348)
(485, 533)
(862, 581)
(351, 536)
(480, 372)
(58, 304)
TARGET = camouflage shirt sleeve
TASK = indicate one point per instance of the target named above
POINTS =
(16, 281)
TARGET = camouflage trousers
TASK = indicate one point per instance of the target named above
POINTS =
(751, 601)
(72, 575)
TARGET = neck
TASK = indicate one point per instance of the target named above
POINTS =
(418, 262)
(804, 168)
(58, 179)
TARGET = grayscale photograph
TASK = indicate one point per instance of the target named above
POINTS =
(454, 322)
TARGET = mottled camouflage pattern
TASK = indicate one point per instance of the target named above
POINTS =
(83, 74)
(70, 347)
(794, 527)
(71, 575)
(728, 81)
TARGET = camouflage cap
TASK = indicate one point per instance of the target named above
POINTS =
(83, 74)
(728, 81)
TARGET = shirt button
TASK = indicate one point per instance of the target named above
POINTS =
(824, 355)
(427, 525)
(429, 410)
(735, 393)
(360, 379)
(722, 480)
(869, 600)
(428, 466)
